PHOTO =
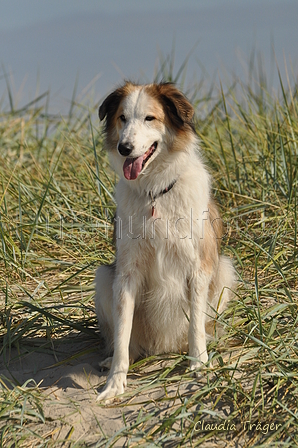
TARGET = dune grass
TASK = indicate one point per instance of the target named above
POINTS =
(56, 209)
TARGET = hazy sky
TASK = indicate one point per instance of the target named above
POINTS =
(49, 43)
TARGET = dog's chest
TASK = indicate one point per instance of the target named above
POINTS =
(162, 246)
(168, 218)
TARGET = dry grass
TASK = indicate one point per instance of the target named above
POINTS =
(56, 209)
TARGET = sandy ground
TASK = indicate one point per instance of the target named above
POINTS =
(69, 377)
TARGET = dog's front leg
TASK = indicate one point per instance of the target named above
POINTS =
(198, 289)
(123, 310)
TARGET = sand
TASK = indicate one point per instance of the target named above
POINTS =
(68, 377)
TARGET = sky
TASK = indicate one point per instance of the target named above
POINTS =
(51, 44)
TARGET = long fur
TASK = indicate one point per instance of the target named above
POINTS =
(168, 277)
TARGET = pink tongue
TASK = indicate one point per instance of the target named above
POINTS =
(132, 167)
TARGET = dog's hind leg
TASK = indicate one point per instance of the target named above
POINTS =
(104, 280)
(223, 285)
(198, 291)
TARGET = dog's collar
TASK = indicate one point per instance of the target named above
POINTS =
(158, 195)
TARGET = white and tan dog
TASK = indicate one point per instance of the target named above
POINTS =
(168, 278)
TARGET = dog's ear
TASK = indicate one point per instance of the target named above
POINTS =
(177, 106)
(110, 105)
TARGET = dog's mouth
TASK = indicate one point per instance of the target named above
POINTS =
(133, 166)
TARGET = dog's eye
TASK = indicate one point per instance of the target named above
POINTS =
(149, 118)
(122, 118)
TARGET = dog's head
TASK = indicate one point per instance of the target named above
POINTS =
(143, 120)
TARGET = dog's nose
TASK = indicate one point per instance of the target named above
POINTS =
(125, 149)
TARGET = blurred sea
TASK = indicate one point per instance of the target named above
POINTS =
(52, 45)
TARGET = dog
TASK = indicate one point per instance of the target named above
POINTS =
(169, 279)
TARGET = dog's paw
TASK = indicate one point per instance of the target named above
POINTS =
(196, 366)
(115, 386)
(197, 363)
